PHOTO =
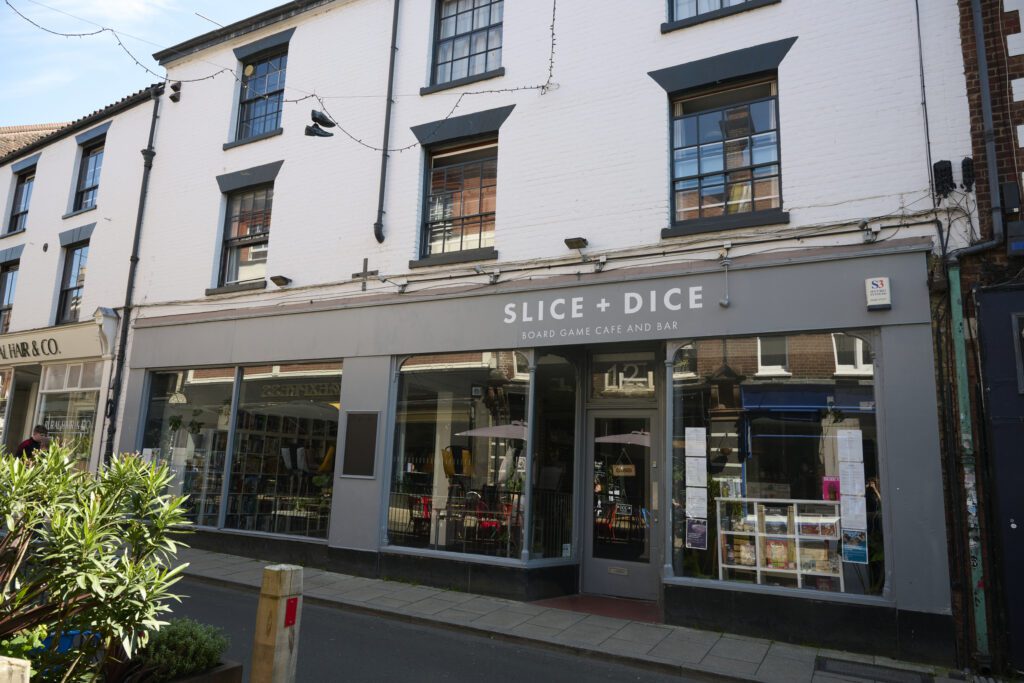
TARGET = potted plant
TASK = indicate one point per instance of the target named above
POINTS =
(185, 651)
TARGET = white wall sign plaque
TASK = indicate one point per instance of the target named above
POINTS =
(878, 292)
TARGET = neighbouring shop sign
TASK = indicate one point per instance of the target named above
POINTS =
(603, 317)
(55, 343)
(325, 390)
(48, 347)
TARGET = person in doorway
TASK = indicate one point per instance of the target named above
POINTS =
(37, 442)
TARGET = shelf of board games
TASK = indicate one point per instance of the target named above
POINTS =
(780, 542)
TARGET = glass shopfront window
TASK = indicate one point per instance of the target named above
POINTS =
(554, 460)
(285, 438)
(284, 447)
(187, 427)
(775, 479)
(460, 454)
(69, 395)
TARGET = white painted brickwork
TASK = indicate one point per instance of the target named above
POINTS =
(589, 158)
(39, 275)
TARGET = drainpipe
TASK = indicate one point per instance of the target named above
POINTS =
(967, 460)
(967, 452)
(378, 227)
(126, 316)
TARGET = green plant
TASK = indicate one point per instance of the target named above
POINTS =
(182, 648)
(85, 552)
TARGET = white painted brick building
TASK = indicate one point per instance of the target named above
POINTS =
(688, 336)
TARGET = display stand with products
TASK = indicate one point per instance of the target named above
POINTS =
(781, 542)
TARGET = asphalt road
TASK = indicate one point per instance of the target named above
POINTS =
(337, 645)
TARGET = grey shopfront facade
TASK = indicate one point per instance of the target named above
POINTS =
(772, 561)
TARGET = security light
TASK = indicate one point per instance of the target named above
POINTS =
(281, 280)
(576, 242)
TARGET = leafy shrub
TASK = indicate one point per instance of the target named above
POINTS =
(182, 648)
(84, 552)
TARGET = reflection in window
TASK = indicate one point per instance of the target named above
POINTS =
(460, 454)
(68, 400)
(284, 447)
(187, 427)
(776, 481)
(554, 457)
(853, 356)
(622, 375)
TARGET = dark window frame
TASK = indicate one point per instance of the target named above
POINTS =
(86, 195)
(436, 61)
(231, 244)
(18, 220)
(8, 288)
(244, 130)
(479, 151)
(66, 288)
(726, 220)
(675, 23)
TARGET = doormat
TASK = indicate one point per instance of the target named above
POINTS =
(870, 672)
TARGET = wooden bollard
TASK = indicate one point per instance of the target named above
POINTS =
(275, 646)
(14, 670)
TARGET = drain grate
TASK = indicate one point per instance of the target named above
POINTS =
(869, 672)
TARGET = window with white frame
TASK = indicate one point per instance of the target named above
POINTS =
(772, 356)
(853, 356)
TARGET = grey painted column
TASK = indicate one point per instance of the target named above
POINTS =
(531, 413)
(668, 473)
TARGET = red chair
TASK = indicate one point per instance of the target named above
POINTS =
(608, 523)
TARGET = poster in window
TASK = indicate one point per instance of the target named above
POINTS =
(697, 534)
(851, 478)
(851, 445)
(696, 472)
(855, 546)
(854, 512)
(696, 502)
(696, 442)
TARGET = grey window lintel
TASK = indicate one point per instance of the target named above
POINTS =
(11, 254)
(460, 127)
(271, 42)
(677, 24)
(25, 163)
(76, 235)
(92, 134)
(724, 67)
(257, 175)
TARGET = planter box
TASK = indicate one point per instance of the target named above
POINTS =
(227, 672)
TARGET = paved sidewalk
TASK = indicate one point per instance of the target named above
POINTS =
(668, 648)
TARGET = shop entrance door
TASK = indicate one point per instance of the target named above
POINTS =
(621, 523)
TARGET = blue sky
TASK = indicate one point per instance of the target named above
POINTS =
(46, 78)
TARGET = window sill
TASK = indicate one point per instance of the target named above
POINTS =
(739, 220)
(670, 26)
(254, 138)
(12, 233)
(237, 287)
(467, 256)
(500, 71)
(769, 374)
(857, 374)
(79, 212)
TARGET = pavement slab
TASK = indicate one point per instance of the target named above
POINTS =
(691, 650)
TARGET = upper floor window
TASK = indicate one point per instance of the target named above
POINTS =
(467, 39)
(8, 283)
(461, 200)
(22, 196)
(772, 356)
(89, 176)
(259, 109)
(247, 235)
(686, 9)
(725, 153)
(853, 356)
(72, 283)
